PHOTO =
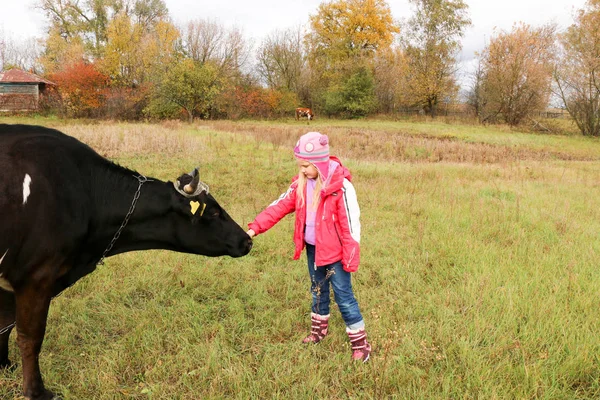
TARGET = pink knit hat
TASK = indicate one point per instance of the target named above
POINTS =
(314, 148)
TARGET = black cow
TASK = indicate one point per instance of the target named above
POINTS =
(61, 209)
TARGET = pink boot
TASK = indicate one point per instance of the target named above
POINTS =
(361, 349)
(318, 328)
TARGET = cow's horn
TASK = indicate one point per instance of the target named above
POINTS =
(191, 187)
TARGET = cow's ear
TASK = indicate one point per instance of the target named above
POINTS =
(183, 180)
(190, 184)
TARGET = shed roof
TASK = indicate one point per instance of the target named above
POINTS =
(15, 75)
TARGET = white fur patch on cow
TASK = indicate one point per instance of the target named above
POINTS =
(26, 188)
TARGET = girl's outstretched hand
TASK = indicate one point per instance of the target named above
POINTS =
(251, 233)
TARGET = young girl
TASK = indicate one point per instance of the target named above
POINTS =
(327, 224)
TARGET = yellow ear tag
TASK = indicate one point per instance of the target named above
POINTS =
(194, 205)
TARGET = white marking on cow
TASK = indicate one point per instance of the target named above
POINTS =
(26, 189)
(4, 284)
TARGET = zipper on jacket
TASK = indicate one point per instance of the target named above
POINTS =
(352, 255)
(336, 231)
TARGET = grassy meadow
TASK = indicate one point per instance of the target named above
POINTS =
(479, 278)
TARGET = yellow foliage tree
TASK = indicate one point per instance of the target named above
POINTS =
(134, 53)
(86, 23)
(344, 38)
(59, 52)
(390, 72)
(517, 73)
(344, 29)
(432, 43)
(159, 49)
(122, 61)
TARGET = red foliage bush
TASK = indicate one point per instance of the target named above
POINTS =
(82, 89)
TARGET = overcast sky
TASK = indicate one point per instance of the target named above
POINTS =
(257, 18)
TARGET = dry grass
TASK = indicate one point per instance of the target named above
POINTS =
(398, 146)
(129, 140)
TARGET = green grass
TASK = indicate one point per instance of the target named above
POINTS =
(479, 280)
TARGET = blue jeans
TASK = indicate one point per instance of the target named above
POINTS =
(339, 279)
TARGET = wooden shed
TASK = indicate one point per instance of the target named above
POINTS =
(21, 91)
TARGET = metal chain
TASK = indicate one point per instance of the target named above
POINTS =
(141, 180)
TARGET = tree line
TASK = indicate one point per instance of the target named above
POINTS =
(125, 59)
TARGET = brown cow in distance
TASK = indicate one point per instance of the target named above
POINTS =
(304, 112)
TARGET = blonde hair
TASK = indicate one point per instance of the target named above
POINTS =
(316, 193)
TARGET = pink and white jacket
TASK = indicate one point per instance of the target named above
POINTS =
(337, 222)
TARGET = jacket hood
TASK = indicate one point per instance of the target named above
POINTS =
(337, 174)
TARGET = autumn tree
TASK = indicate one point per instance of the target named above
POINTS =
(432, 43)
(59, 52)
(162, 47)
(517, 73)
(577, 74)
(131, 41)
(280, 60)
(148, 13)
(190, 85)
(344, 37)
(135, 53)
(84, 21)
(122, 55)
(475, 98)
(255, 101)
(389, 74)
(343, 29)
(87, 21)
(208, 41)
